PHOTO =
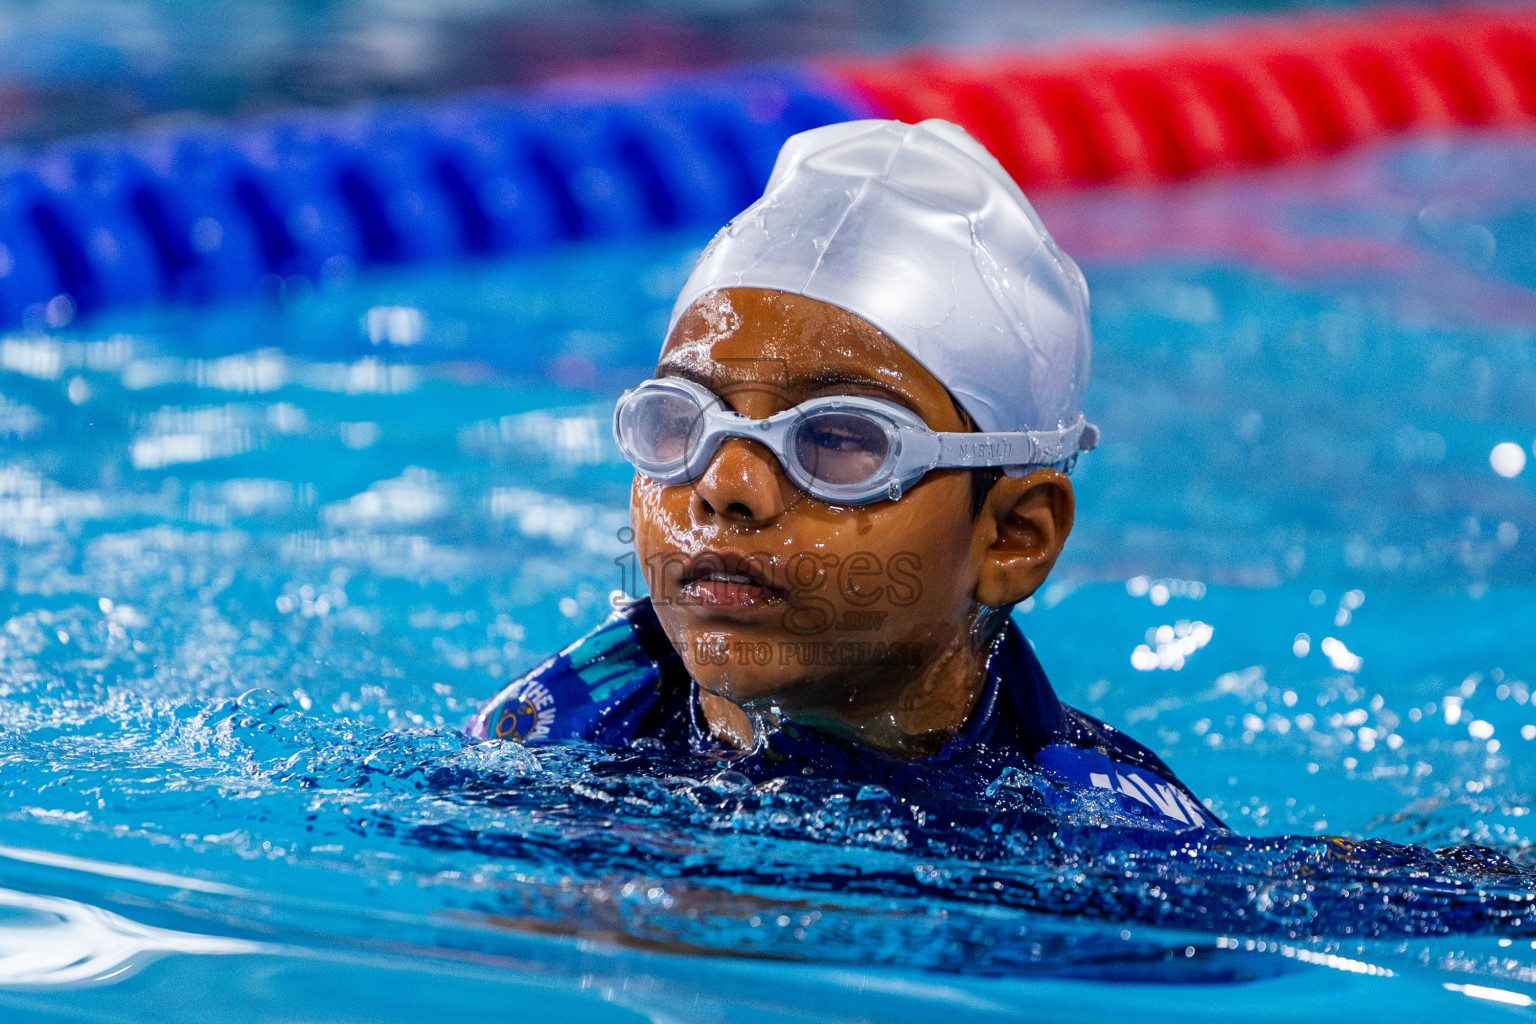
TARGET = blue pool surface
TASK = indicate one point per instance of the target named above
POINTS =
(259, 564)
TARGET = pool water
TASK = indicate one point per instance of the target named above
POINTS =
(258, 565)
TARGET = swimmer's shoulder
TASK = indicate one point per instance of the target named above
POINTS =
(1083, 730)
(607, 687)
(1094, 753)
(1020, 709)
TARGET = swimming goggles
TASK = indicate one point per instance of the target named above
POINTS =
(840, 449)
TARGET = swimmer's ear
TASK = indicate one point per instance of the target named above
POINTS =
(1020, 531)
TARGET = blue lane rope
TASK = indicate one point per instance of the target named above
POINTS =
(218, 212)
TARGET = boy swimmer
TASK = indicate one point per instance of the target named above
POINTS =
(851, 464)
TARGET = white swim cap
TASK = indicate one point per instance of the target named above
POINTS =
(919, 230)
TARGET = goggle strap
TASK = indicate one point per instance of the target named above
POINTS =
(1014, 448)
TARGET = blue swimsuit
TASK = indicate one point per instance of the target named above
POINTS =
(624, 682)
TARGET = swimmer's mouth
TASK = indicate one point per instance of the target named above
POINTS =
(723, 582)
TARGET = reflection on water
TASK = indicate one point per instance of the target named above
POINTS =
(257, 566)
(48, 942)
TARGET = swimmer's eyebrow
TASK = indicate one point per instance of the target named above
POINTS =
(670, 369)
(824, 382)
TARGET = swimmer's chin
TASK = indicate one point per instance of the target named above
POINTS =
(752, 696)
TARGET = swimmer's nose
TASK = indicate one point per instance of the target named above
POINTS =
(744, 483)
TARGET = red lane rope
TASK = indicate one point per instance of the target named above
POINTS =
(1242, 95)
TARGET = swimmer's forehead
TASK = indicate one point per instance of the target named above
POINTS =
(743, 338)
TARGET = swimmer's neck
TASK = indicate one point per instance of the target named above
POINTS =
(914, 719)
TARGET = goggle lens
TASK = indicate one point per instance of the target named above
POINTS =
(841, 448)
(659, 428)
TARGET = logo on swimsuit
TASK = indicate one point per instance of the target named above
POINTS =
(1166, 799)
(526, 715)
